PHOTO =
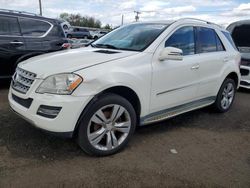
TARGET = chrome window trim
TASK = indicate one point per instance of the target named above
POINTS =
(42, 36)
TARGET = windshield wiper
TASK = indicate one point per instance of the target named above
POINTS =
(105, 46)
(109, 46)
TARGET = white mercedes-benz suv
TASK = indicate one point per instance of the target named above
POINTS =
(138, 74)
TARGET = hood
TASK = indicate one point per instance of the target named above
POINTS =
(71, 60)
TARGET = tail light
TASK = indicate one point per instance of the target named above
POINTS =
(66, 46)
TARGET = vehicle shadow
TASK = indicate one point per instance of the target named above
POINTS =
(23, 140)
(244, 90)
(5, 84)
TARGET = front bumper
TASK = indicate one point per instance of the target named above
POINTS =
(245, 77)
(63, 124)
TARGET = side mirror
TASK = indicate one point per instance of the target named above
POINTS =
(171, 53)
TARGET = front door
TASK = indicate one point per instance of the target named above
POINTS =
(175, 82)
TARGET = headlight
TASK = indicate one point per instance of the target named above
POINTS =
(62, 84)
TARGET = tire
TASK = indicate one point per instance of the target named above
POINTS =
(110, 135)
(226, 96)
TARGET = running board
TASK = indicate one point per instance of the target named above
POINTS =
(172, 112)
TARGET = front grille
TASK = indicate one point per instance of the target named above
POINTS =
(22, 80)
(244, 72)
(24, 102)
(244, 83)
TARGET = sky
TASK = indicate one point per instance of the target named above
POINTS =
(221, 12)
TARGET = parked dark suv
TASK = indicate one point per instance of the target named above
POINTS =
(24, 35)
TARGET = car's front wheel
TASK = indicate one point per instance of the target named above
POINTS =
(225, 96)
(106, 125)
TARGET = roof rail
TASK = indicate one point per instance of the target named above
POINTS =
(196, 19)
(19, 12)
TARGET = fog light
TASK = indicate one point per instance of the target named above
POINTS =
(48, 111)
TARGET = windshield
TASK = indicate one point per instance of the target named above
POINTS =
(134, 37)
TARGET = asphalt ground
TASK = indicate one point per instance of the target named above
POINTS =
(213, 150)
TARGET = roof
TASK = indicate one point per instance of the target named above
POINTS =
(169, 22)
(24, 14)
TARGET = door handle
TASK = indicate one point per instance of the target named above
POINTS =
(195, 67)
(16, 42)
(226, 59)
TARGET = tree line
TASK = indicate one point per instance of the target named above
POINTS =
(83, 21)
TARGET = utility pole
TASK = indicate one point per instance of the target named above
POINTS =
(40, 7)
(137, 15)
(122, 19)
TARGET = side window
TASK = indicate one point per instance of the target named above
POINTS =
(9, 26)
(220, 46)
(183, 39)
(206, 40)
(33, 28)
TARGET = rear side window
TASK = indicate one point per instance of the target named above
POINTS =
(229, 38)
(220, 46)
(206, 40)
(183, 39)
(9, 26)
(33, 28)
(57, 31)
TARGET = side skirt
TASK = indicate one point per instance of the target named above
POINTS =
(172, 112)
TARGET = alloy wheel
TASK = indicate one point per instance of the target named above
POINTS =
(227, 96)
(109, 127)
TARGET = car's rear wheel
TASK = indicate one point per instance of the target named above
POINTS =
(106, 125)
(225, 96)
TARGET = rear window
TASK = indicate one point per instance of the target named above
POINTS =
(240, 35)
(9, 26)
(229, 38)
(33, 28)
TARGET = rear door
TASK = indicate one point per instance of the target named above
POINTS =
(11, 45)
(212, 59)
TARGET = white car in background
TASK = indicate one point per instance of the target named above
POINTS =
(138, 74)
(98, 34)
(240, 32)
